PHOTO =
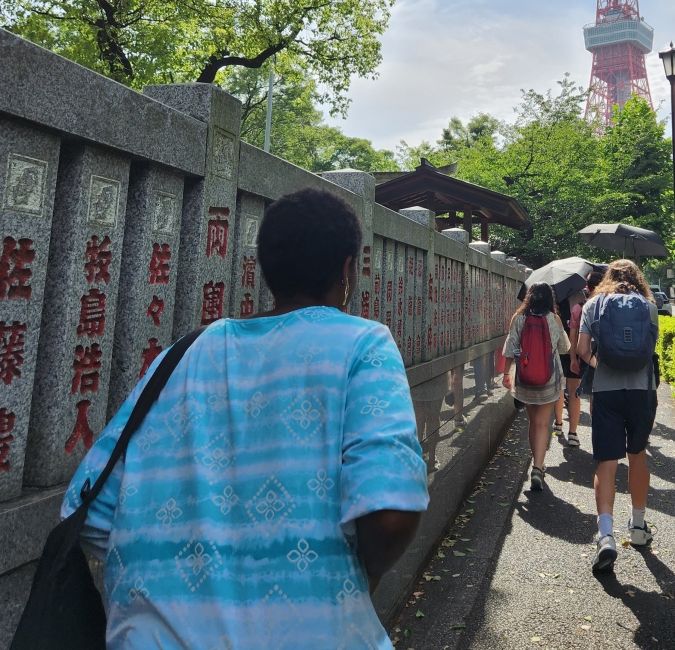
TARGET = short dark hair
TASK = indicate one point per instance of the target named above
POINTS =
(304, 239)
(593, 279)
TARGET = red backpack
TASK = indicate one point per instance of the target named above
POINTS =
(535, 365)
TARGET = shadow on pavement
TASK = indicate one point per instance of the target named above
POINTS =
(579, 466)
(554, 516)
(653, 610)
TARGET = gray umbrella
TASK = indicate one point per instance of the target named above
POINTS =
(630, 241)
(565, 276)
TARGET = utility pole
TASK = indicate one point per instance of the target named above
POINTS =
(268, 119)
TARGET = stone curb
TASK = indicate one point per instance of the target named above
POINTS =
(435, 616)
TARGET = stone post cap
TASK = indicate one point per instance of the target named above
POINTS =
(522, 268)
(358, 182)
(528, 270)
(480, 246)
(499, 256)
(419, 214)
(458, 234)
(511, 261)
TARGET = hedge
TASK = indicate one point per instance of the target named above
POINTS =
(665, 348)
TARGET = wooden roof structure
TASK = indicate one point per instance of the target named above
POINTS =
(428, 187)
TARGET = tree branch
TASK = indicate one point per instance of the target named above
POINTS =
(223, 59)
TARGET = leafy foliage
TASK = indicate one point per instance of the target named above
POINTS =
(140, 42)
(298, 131)
(665, 348)
(564, 172)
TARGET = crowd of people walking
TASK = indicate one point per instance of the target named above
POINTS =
(601, 342)
(289, 440)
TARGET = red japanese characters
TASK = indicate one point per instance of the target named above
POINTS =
(159, 269)
(213, 297)
(86, 369)
(149, 355)
(15, 273)
(98, 257)
(7, 422)
(12, 350)
(216, 237)
(92, 313)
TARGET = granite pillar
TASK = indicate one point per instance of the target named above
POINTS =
(78, 316)
(363, 185)
(144, 324)
(425, 337)
(378, 297)
(203, 286)
(246, 277)
(399, 296)
(28, 167)
(389, 288)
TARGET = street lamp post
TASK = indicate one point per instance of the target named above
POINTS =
(668, 58)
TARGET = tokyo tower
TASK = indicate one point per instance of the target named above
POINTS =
(618, 40)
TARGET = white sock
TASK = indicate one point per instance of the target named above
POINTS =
(605, 524)
(638, 518)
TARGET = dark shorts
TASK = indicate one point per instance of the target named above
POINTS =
(565, 361)
(622, 422)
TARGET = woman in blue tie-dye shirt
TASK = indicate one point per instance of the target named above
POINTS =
(278, 473)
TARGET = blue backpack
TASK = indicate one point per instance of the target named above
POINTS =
(624, 331)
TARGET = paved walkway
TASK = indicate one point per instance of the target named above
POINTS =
(514, 570)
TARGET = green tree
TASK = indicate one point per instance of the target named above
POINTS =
(636, 165)
(563, 171)
(299, 134)
(139, 42)
(458, 135)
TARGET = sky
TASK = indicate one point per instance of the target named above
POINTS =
(444, 58)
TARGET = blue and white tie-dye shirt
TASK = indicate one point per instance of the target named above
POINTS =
(230, 522)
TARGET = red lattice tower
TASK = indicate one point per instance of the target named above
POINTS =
(618, 40)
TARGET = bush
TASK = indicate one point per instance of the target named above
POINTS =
(665, 347)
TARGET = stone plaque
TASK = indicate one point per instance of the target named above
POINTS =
(251, 234)
(223, 154)
(103, 201)
(25, 187)
(164, 212)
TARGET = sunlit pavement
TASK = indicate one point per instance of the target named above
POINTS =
(514, 569)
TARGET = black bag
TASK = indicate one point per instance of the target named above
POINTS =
(65, 609)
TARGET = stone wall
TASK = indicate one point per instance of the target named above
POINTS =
(128, 219)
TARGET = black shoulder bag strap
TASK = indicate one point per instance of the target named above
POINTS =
(145, 401)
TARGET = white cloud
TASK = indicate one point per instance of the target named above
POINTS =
(443, 58)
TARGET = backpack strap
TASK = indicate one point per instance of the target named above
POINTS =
(145, 401)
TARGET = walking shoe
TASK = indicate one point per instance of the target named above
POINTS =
(536, 479)
(640, 536)
(573, 440)
(605, 554)
(557, 428)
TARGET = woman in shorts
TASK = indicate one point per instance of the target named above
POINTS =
(539, 400)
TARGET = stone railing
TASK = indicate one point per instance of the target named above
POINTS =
(129, 219)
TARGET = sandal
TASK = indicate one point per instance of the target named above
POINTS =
(537, 479)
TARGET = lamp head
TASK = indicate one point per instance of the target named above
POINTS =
(668, 58)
